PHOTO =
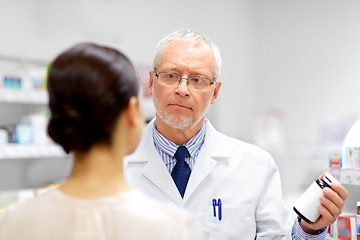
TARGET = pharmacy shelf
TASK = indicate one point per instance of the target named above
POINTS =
(17, 151)
(23, 96)
(347, 176)
(149, 109)
(41, 98)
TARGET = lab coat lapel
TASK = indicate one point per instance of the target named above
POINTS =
(156, 172)
(209, 156)
(154, 168)
(203, 167)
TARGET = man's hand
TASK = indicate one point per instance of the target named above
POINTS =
(331, 204)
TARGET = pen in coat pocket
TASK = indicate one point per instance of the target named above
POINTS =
(218, 204)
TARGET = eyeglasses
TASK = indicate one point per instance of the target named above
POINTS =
(173, 80)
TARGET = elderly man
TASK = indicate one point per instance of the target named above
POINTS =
(232, 187)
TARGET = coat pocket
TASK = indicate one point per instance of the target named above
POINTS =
(237, 222)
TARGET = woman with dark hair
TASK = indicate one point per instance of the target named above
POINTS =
(95, 115)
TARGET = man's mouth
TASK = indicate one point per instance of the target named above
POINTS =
(179, 106)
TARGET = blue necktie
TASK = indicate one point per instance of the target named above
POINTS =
(181, 171)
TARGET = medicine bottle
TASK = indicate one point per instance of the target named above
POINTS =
(358, 221)
(306, 207)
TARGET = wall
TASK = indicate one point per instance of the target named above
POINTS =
(307, 58)
(290, 72)
(41, 29)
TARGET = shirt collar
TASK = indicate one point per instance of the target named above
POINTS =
(165, 145)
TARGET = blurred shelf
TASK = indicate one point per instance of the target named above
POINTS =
(24, 60)
(41, 97)
(347, 176)
(23, 96)
(149, 109)
(17, 151)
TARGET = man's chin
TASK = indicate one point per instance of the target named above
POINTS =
(178, 124)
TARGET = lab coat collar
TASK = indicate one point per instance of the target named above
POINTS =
(213, 142)
(154, 168)
(156, 172)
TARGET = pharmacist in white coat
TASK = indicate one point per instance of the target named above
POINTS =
(232, 187)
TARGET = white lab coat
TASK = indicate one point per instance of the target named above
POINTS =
(243, 176)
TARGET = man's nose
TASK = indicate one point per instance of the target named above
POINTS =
(183, 87)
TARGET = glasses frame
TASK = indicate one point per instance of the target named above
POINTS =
(187, 80)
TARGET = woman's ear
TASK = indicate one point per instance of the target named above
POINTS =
(132, 111)
(134, 118)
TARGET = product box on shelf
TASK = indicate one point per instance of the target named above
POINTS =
(335, 159)
(11, 81)
(335, 163)
(351, 147)
(344, 165)
(358, 219)
(352, 157)
(333, 231)
(346, 227)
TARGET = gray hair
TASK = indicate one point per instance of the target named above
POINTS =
(188, 35)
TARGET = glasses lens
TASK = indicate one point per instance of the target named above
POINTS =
(168, 79)
(198, 83)
(194, 83)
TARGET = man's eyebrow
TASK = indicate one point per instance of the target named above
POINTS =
(196, 72)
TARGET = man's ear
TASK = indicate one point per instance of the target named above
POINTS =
(132, 111)
(215, 92)
(151, 81)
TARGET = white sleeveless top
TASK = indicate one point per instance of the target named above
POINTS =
(128, 215)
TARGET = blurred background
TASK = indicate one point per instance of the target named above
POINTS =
(290, 77)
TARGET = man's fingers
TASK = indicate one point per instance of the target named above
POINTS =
(340, 190)
(330, 206)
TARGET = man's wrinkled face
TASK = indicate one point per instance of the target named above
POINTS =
(180, 107)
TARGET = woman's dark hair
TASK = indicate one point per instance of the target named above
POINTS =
(89, 86)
